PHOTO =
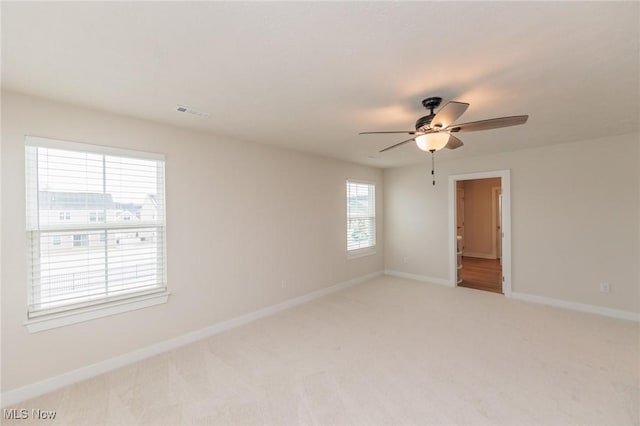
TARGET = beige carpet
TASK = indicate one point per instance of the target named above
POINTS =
(390, 351)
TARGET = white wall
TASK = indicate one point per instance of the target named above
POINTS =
(575, 219)
(240, 219)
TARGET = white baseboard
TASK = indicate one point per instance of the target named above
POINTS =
(423, 278)
(39, 388)
(592, 309)
(478, 255)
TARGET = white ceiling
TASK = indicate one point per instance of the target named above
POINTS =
(310, 76)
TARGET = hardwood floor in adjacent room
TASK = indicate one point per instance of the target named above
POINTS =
(482, 274)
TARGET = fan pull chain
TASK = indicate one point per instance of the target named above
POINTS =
(433, 169)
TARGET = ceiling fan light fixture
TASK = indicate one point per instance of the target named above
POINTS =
(434, 131)
(432, 141)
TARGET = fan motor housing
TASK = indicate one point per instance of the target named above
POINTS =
(423, 122)
(430, 103)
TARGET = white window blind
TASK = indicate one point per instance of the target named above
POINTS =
(95, 225)
(361, 215)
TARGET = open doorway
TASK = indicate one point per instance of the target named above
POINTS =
(480, 231)
(478, 221)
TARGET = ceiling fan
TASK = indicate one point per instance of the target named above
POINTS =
(435, 131)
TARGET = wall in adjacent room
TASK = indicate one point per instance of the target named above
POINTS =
(478, 217)
(575, 219)
(241, 218)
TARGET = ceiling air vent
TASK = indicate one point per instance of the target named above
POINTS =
(192, 111)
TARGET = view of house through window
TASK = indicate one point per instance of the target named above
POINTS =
(361, 215)
(95, 224)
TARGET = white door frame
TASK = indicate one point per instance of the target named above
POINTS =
(495, 210)
(505, 175)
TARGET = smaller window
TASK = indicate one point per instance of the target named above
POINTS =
(361, 216)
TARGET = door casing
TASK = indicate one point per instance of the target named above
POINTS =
(496, 226)
(505, 176)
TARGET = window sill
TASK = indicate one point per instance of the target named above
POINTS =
(87, 314)
(355, 254)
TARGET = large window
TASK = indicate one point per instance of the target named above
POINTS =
(95, 226)
(361, 217)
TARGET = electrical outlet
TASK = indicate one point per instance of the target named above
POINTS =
(605, 288)
(405, 260)
(283, 284)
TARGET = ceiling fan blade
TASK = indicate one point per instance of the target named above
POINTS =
(493, 123)
(448, 114)
(453, 142)
(396, 145)
(409, 132)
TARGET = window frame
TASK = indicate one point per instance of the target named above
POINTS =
(363, 251)
(105, 306)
